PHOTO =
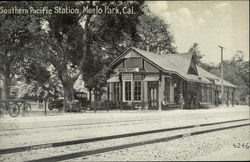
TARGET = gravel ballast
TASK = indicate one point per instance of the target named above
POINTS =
(152, 150)
(28, 131)
(188, 148)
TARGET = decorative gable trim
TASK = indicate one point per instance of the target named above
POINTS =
(131, 52)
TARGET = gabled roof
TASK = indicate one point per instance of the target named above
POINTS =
(175, 63)
(169, 62)
(216, 79)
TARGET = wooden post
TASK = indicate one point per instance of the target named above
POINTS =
(233, 97)
(45, 107)
(160, 91)
(221, 68)
(216, 96)
(227, 96)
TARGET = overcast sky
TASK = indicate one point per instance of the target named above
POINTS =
(209, 23)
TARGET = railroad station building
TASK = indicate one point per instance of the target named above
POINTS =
(148, 80)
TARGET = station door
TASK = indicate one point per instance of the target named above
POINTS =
(153, 95)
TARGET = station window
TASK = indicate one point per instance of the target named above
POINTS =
(202, 93)
(117, 91)
(205, 93)
(128, 90)
(209, 94)
(137, 91)
(167, 89)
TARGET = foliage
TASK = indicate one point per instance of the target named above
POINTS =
(36, 72)
(39, 83)
(236, 71)
(62, 42)
(154, 33)
(16, 35)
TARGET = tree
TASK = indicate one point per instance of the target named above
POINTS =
(39, 82)
(154, 33)
(15, 31)
(63, 42)
(196, 52)
(236, 71)
(237, 59)
(240, 77)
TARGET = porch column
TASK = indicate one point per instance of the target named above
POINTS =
(181, 87)
(161, 92)
(120, 91)
(216, 96)
(111, 92)
(233, 97)
(185, 94)
(212, 94)
(227, 96)
(142, 96)
(145, 94)
(108, 91)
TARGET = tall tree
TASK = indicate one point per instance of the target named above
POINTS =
(63, 42)
(15, 31)
(155, 34)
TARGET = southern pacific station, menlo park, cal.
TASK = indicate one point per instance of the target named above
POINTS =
(155, 81)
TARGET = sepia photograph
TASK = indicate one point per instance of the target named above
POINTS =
(124, 81)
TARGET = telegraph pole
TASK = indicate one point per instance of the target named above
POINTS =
(221, 73)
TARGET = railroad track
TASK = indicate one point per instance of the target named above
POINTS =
(190, 130)
(86, 124)
(82, 124)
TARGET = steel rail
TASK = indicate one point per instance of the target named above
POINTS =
(95, 139)
(70, 125)
(124, 146)
(84, 124)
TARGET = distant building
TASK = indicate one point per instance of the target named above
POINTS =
(79, 86)
(155, 81)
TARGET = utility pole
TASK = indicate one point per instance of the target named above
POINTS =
(221, 73)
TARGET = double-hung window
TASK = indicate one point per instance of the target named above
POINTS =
(128, 90)
(137, 90)
(117, 91)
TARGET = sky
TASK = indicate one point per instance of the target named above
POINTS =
(208, 23)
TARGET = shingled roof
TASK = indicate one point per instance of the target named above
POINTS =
(178, 64)
(216, 79)
(175, 63)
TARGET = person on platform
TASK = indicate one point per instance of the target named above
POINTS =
(181, 101)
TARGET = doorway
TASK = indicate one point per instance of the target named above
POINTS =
(153, 95)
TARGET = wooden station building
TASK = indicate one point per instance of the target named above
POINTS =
(154, 81)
